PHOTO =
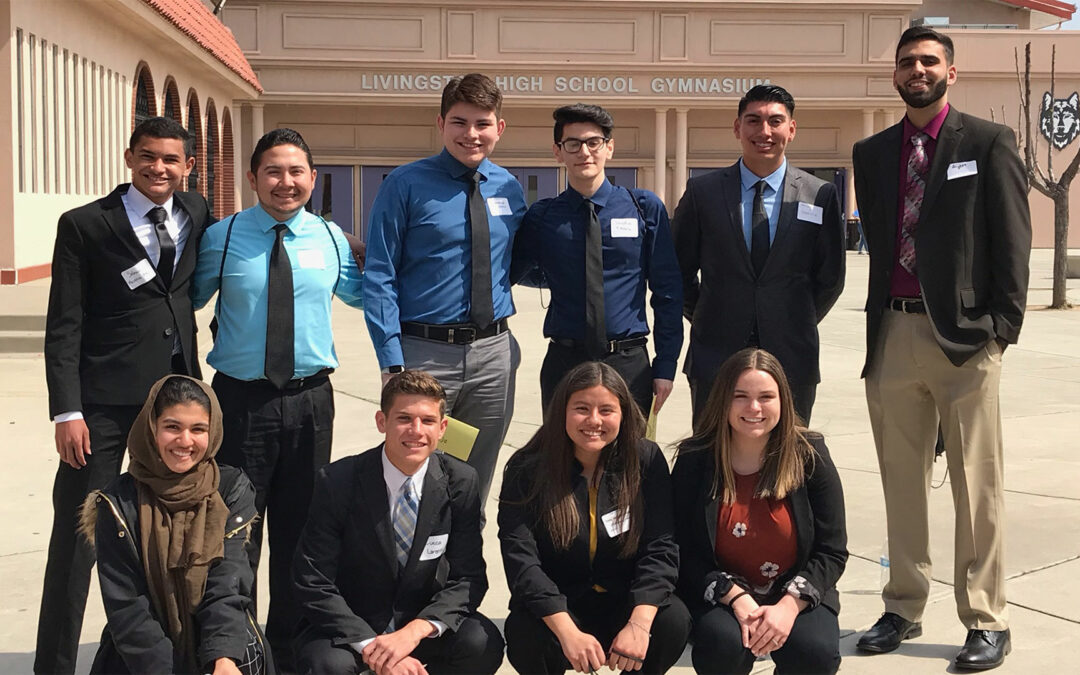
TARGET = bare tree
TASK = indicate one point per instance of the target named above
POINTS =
(1056, 188)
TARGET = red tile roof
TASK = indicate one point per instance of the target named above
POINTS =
(193, 19)
(1062, 10)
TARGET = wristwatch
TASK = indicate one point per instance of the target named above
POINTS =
(393, 370)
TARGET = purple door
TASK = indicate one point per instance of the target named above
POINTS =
(371, 177)
(332, 197)
(537, 182)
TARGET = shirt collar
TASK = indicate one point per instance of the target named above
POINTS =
(600, 197)
(266, 222)
(774, 180)
(459, 170)
(395, 479)
(141, 204)
(932, 129)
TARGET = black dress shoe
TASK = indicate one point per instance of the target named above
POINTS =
(888, 632)
(984, 649)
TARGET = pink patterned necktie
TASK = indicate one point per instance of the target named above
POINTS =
(916, 186)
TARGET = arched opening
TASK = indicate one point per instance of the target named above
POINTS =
(145, 107)
(212, 163)
(228, 168)
(194, 128)
(171, 107)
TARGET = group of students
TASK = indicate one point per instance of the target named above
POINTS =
(609, 559)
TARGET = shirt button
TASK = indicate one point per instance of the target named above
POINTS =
(167, 332)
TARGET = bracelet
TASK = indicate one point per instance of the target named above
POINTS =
(731, 602)
(639, 627)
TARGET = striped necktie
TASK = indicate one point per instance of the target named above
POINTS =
(913, 198)
(405, 522)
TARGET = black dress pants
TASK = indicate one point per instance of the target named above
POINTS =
(475, 648)
(632, 364)
(532, 648)
(280, 438)
(812, 648)
(67, 572)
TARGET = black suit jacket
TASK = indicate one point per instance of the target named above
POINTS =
(817, 507)
(802, 278)
(973, 241)
(105, 343)
(345, 575)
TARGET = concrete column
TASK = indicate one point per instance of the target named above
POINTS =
(257, 124)
(852, 204)
(660, 163)
(891, 117)
(258, 128)
(680, 156)
(867, 122)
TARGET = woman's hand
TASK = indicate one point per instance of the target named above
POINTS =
(225, 666)
(629, 647)
(773, 624)
(582, 651)
(743, 608)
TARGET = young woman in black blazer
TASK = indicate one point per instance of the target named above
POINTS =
(759, 514)
(585, 524)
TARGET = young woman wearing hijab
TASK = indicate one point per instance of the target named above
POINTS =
(585, 524)
(759, 515)
(169, 536)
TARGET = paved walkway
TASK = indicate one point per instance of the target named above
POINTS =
(1041, 403)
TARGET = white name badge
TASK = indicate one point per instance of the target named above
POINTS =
(435, 546)
(810, 213)
(499, 206)
(615, 525)
(961, 169)
(310, 259)
(624, 227)
(138, 274)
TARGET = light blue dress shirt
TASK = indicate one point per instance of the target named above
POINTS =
(773, 197)
(240, 348)
(419, 250)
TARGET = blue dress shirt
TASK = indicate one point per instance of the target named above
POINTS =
(774, 194)
(240, 348)
(419, 250)
(552, 237)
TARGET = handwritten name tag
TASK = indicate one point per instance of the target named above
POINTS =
(624, 227)
(961, 169)
(435, 546)
(499, 206)
(311, 259)
(138, 274)
(810, 213)
(614, 524)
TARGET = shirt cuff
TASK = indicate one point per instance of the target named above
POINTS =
(438, 626)
(359, 646)
(68, 416)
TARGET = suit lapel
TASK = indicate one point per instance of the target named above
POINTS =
(792, 190)
(948, 140)
(115, 216)
(434, 496)
(732, 186)
(373, 489)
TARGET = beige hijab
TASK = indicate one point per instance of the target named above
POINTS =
(181, 521)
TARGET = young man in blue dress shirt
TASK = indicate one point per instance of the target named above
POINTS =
(276, 268)
(437, 273)
(634, 249)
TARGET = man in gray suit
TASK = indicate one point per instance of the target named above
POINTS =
(768, 241)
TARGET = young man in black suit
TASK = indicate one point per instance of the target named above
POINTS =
(119, 319)
(390, 569)
(943, 198)
(768, 240)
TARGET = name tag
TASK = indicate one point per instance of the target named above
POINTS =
(615, 525)
(624, 227)
(961, 169)
(310, 259)
(138, 274)
(499, 206)
(810, 213)
(435, 546)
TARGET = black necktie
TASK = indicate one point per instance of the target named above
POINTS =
(759, 234)
(166, 247)
(480, 307)
(279, 313)
(595, 328)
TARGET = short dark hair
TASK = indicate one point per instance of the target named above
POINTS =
(274, 138)
(476, 89)
(178, 390)
(920, 33)
(582, 112)
(414, 383)
(770, 93)
(162, 127)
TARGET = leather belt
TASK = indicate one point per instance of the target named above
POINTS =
(292, 385)
(908, 305)
(612, 345)
(458, 334)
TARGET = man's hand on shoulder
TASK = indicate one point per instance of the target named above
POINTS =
(73, 442)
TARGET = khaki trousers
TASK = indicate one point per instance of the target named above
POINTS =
(910, 387)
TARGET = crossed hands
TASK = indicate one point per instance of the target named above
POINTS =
(765, 628)
(388, 654)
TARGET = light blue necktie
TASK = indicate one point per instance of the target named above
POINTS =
(405, 522)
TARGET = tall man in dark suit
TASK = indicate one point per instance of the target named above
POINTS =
(119, 318)
(768, 240)
(390, 570)
(944, 206)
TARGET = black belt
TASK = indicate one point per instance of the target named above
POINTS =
(458, 334)
(908, 305)
(294, 384)
(612, 345)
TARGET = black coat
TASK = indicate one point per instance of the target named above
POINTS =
(817, 508)
(543, 578)
(97, 327)
(345, 575)
(135, 640)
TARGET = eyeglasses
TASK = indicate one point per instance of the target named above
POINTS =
(573, 145)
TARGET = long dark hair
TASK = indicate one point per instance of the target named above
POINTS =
(548, 459)
(787, 452)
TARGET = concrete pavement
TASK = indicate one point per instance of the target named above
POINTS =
(1040, 400)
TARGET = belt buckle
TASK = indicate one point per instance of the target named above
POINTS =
(612, 346)
(906, 304)
(469, 331)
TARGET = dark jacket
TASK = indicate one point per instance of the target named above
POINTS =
(134, 640)
(817, 507)
(543, 578)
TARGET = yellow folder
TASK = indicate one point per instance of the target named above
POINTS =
(458, 439)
